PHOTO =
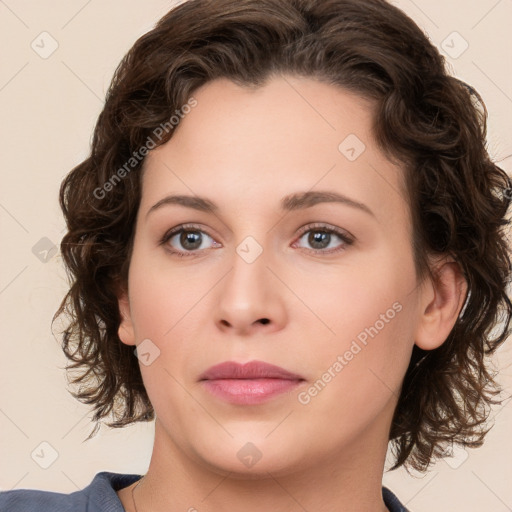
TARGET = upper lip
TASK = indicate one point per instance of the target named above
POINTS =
(250, 370)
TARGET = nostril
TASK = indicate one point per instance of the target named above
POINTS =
(264, 320)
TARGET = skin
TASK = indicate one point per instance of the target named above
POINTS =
(245, 149)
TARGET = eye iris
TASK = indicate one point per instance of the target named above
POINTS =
(318, 237)
(190, 236)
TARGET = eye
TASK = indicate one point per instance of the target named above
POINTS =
(189, 239)
(321, 237)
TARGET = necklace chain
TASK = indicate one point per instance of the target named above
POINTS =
(133, 494)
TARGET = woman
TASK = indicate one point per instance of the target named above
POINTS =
(289, 216)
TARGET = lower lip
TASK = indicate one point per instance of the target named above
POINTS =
(249, 391)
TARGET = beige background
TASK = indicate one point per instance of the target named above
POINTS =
(49, 106)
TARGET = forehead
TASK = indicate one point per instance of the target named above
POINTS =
(250, 147)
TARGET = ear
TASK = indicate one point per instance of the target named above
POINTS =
(125, 331)
(441, 302)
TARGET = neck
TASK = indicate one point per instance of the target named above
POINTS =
(348, 481)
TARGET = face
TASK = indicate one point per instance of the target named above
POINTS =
(324, 289)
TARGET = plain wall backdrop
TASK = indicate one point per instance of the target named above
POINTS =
(57, 62)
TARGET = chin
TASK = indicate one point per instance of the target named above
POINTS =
(251, 458)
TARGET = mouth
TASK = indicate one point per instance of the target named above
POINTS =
(251, 383)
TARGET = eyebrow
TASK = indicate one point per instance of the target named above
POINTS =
(296, 201)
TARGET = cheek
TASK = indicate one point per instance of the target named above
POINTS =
(358, 377)
(161, 306)
(359, 302)
(166, 306)
(369, 317)
(160, 296)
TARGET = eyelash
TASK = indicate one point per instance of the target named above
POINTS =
(321, 228)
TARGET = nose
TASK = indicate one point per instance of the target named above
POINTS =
(250, 298)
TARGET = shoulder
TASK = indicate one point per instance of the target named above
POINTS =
(392, 502)
(99, 496)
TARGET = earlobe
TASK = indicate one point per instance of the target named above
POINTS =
(125, 330)
(445, 296)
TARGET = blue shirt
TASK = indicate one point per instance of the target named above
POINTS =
(100, 496)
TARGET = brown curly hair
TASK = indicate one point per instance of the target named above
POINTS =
(429, 121)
